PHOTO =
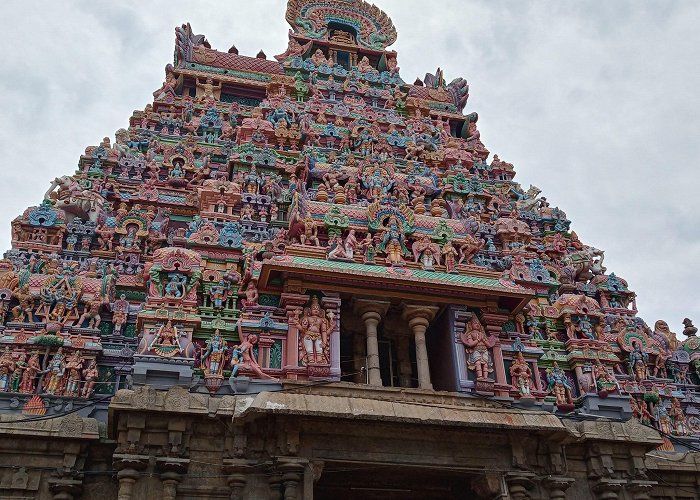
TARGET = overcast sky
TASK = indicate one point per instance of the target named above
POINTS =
(597, 103)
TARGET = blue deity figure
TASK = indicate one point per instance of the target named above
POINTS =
(585, 327)
(213, 357)
(559, 385)
(176, 285)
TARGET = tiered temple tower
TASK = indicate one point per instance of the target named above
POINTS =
(328, 261)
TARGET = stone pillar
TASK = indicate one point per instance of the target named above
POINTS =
(292, 473)
(419, 317)
(608, 489)
(520, 484)
(127, 478)
(236, 470)
(171, 471)
(275, 482)
(129, 467)
(371, 312)
(641, 490)
(170, 481)
(65, 489)
(557, 486)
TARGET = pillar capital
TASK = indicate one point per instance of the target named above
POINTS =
(419, 314)
(557, 486)
(370, 308)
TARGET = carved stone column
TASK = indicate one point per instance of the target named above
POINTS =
(371, 312)
(292, 473)
(608, 489)
(641, 490)
(557, 486)
(171, 471)
(127, 478)
(129, 467)
(275, 482)
(237, 478)
(419, 317)
(519, 484)
(65, 489)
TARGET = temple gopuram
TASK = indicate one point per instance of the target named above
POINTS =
(305, 278)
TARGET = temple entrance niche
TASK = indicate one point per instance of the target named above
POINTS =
(395, 363)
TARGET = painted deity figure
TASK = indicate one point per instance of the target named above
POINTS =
(377, 185)
(242, 357)
(426, 251)
(20, 366)
(449, 253)
(369, 251)
(315, 330)
(56, 370)
(23, 312)
(92, 313)
(176, 285)
(393, 242)
(218, 294)
(28, 383)
(251, 295)
(585, 328)
(478, 347)
(660, 369)
(120, 313)
(641, 412)
(521, 375)
(310, 234)
(213, 357)
(90, 375)
(678, 419)
(637, 362)
(559, 385)
(604, 380)
(74, 367)
(7, 366)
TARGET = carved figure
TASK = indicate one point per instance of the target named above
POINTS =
(478, 346)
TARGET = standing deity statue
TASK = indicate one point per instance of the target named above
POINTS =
(7, 366)
(637, 362)
(449, 253)
(393, 242)
(120, 314)
(74, 367)
(478, 347)
(20, 366)
(53, 384)
(90, 374)
(559, 385)
(213, 357)
(28, 384)
(521, 375)
(315, 328)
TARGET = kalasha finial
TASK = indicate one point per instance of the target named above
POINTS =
(689, 330)
(233, 50)
(261, 55)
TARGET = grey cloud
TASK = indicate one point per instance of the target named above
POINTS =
(594, 102)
